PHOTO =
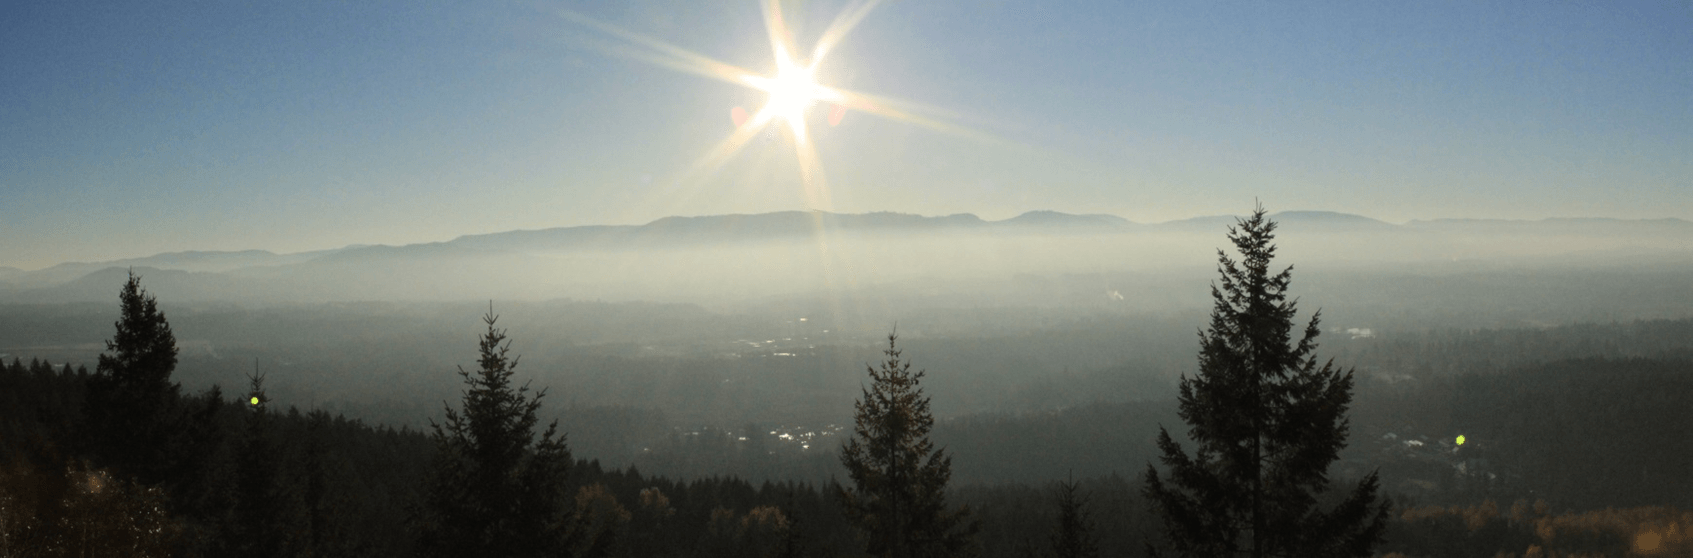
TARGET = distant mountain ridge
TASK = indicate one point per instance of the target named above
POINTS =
(782, 224)
(674, 232)
(1566, 225)
(193, 261)
(790, 224)
(208, 272)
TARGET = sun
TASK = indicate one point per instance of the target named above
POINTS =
(793, 90)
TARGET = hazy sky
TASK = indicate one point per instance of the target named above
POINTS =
(131, 128)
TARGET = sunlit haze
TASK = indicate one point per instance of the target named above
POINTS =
(146, 127)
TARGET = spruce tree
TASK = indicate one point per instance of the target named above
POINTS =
(1267, 421)
(1073, 537)
(496, 490)
(266, 519)
(133, 421)
(899, 500)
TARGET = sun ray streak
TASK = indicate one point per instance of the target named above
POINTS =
(887, 108)
(777, 28)
(811, 176)
(670, 56)
(664, 54)
(840, 27)
(793, 91)
(732, 144)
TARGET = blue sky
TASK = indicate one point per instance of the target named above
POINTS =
(133, 128)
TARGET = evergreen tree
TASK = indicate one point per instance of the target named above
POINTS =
(899, 502)
(1267, 422)
(1074, 536)
(133, 423)
(266, 517)
(496, 491)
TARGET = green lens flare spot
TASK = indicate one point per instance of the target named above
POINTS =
(1460, 436)
(255, 401)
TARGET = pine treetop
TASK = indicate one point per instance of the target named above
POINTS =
(899, 500)
(1074, 535)
(497, 489)
(142, 351)
(1267, 422)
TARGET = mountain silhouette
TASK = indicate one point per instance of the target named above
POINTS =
(813, 249)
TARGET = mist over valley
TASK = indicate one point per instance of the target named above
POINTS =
(747, 329)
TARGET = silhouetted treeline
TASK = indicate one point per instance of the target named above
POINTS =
(390, 363)
(1579, 435)
(347, 486)
(350, 488)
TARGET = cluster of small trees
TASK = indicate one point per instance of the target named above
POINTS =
(1266, 421)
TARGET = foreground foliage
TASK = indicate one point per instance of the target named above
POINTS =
(1528, 530)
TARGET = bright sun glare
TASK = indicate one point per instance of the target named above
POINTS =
(793, 89)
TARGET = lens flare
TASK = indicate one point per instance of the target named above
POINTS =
(793, 90)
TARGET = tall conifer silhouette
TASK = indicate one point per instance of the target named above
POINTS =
(1073, 537)
(497, 491)
(900, 498)
(266, 516)
(1267, 422)
(134, 423)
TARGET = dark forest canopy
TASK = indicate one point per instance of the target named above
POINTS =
(370, 473)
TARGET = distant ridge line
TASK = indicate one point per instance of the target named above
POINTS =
(686, 231)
